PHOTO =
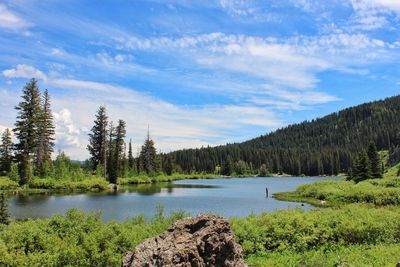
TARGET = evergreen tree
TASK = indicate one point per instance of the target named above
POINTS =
(263, 171)
(45, 146)
(131, 160)
(14, 172)
(98, 139)
(362, 168)
(6, 148)
(227, 167)
(4, 215)
(240, 167)
(149, 161)
(118, 146)
(376, 168)
(110, 150)
(124, 164)
(26, 129)
(168, 165)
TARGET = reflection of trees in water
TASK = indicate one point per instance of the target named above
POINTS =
(24, 198)
(152, 189)
(141, 189)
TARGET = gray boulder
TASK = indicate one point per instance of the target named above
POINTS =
(205, 240)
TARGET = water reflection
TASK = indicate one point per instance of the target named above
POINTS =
(152, 189)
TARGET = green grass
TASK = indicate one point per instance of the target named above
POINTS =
(349, 256)
(392, 172)
(385, 191)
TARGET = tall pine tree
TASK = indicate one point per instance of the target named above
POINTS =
(168, 165)
(6, 148)
(362, 168)
(117, 155)
(26, 129)
(98, 139)
(374, 159)
(131, 159)
(149, 162)
(45, 146)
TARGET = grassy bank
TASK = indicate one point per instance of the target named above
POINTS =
(145, 179)
(385, 191)
(351, 236)
(38, 185)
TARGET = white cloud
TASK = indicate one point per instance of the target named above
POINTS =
(67, 134)
(248, 10)
(10, 20)
(172, 127)
(292, 62)
(24, 71)
(372, 14)
(393, 5)
(239, 7)
(57, 52)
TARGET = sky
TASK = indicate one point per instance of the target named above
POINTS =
(197, 73)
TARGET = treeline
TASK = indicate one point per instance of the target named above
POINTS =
(31, 155)
(326, 145)
(109, 156)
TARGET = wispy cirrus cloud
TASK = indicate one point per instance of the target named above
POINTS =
(372, 14)
(293, 63)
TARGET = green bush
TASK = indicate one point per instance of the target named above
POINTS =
(7, 184)
(355, 235)
(93, 184)
(299, 231)
(76, 239)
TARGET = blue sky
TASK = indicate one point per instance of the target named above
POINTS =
(198, 72)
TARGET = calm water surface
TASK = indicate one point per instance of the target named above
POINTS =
(228, 197)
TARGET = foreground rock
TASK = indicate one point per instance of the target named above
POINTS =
(204, 240)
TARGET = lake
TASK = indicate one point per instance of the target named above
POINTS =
(235, 197)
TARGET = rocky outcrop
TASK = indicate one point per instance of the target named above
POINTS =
(205, 240)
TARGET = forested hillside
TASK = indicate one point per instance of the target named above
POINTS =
(322, 146)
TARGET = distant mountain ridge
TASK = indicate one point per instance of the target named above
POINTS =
(325, 145)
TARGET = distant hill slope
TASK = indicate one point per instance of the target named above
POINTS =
(322, 146)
